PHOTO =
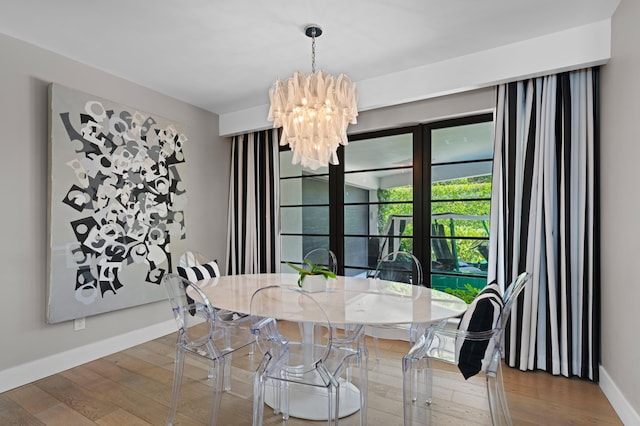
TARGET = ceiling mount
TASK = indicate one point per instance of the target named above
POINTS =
(308, 30)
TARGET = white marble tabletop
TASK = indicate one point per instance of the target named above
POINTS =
(347, 300)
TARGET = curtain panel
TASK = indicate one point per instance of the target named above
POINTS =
(544, 217)
(253, 245)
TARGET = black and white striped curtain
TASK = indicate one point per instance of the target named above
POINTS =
(543, 220)
(253, 244)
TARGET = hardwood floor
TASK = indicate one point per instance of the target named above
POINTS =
(133, 387)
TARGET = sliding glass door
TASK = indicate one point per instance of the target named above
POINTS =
(379, 195)
(459, 164)
(423, 189)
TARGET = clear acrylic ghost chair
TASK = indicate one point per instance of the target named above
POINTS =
(404, 267)
(203, 334)
(195, 261)
(439, 342)
(326, 257)
(303, 370)
(343, 334)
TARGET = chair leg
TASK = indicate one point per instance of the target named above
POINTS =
(217, 391)
(428, 381)
(281, 388)
(416, 390)
(495, 391)
(259, 390)
(177, 381)
(227, 373)
(408, 376)
(376, 348)
(333, 405)
(363, 382)
(227, 365)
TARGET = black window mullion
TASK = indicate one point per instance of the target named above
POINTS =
(425, 160)
(419, 199)
(336, 209)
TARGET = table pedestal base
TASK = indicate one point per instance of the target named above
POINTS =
(310, 403)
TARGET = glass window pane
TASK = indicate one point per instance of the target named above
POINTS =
(290, 192)
(291, 220)
(304, 220)
(360, 219)
(288, 170)
(459, 256)
(391, 244)
(462, 143)
(364, 252)
(394, 219)
(379, 219)
(400, 188)
(460, 225)
(355, 272)
(366, 186)
(395, 194)
(305, 190)
(361, 252)
(294, 247)
(291, 248)
(379, 153)
(312, 242)
(360, 193)
(476, 176)
(286, 269)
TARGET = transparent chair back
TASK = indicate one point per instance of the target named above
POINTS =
(203, 335)
(399, 266)
(301, 369)
(324, 257)
(439, 343)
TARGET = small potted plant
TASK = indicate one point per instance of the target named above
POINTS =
(314, 278)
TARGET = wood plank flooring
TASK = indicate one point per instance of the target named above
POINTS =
(133, 387)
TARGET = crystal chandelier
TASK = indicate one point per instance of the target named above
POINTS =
(314, 112)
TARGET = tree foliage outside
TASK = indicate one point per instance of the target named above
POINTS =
(452, 197)
(396, 195)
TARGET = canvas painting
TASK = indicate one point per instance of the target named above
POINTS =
(116, 204)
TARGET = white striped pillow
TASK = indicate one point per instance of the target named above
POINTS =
(200, 272)
(482, 315)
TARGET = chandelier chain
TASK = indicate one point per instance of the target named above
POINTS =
(313, 50)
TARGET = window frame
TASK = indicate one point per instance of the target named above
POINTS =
(422, 196)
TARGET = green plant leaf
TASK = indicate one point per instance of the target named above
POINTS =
(314, 269)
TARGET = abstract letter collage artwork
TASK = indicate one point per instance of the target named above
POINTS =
(116, 204)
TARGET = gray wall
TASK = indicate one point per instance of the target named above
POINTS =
(25, 74)
(620, 231)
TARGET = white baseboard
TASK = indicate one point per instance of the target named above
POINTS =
(625, 411)
(34, 370)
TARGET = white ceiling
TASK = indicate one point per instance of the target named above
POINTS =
(224, 55)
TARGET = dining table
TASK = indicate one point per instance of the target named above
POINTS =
(346, 300)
